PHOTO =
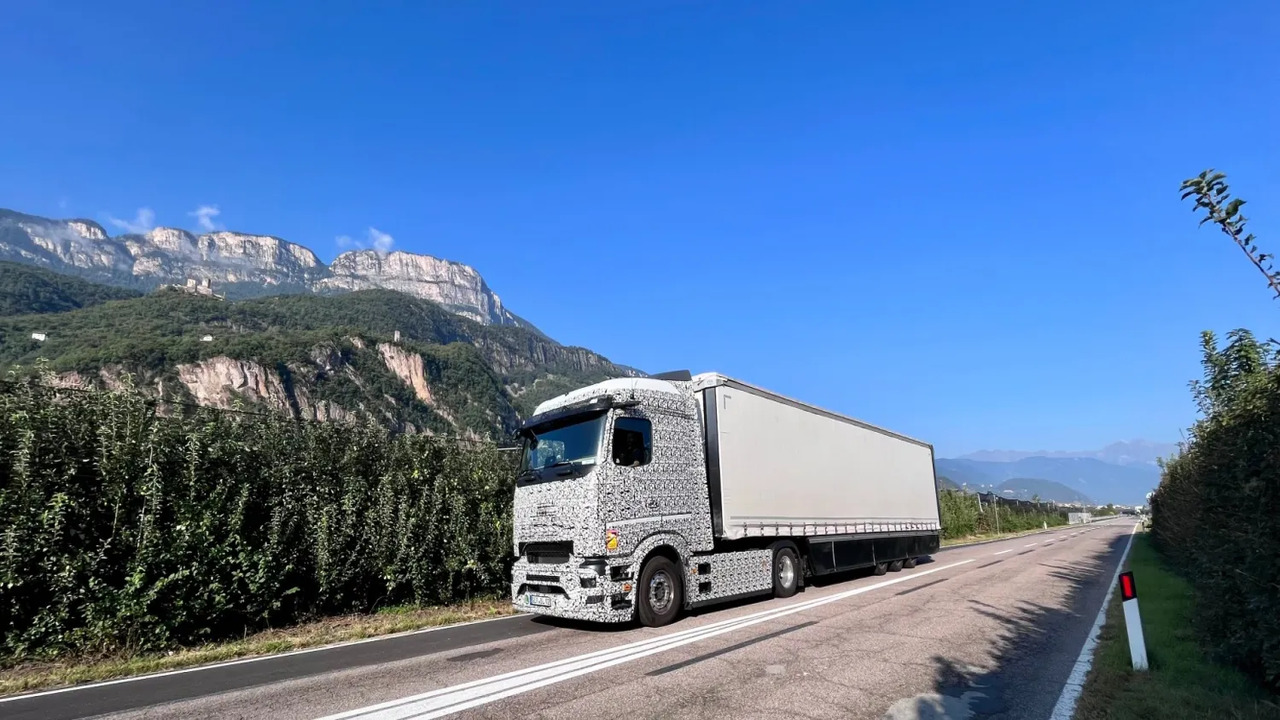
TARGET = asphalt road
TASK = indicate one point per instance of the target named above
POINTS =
(990, 630)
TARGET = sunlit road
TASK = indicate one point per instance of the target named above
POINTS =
(989, 630)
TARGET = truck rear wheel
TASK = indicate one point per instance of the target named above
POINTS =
(786, 572)
(659, 594)
(880, 569)
(895, 566)
(909, 562)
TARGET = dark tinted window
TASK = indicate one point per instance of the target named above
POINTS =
(632, 441)
(573, 440)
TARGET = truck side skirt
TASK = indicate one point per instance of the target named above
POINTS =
(833, 554)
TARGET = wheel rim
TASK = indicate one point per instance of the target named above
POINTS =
(786, 570)
(660, 592)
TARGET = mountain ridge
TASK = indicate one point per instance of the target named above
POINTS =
(1099, 480)
(400, 360)
(242, 265)
(1033, 488)
(27, 289)
(1124, 452)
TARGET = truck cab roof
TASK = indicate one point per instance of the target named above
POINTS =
(615, 386)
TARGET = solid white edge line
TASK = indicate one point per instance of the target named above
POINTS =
(622, 653)
(255, 658)
(1066, 705)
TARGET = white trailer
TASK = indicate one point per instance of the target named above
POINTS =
(639, 497)
(783, 467)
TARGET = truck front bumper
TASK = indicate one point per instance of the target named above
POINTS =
(581, 589)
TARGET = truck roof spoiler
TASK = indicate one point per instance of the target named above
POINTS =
(599, 404)
(673, 375)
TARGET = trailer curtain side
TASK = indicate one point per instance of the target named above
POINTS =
(780, 467)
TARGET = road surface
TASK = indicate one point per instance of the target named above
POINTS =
(989, 630)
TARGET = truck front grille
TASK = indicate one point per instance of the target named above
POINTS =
(548, 553)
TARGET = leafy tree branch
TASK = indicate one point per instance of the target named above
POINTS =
(1212, 195)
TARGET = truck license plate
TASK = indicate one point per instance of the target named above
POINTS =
(539, 600)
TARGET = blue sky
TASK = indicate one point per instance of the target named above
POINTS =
(959, 220)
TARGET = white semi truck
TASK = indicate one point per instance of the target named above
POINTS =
(640, 497)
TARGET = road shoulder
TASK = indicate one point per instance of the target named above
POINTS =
(1181, 683)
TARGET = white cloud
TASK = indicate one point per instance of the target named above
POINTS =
(142, 222)
(381, 241)
(204, 216)
(374, 238)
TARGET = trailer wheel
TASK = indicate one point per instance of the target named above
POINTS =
(880, 569)
(909, 562)
(658, 595)
(895, 566)
(786, 572)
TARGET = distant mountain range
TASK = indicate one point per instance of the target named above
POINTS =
(1125, 477)
(1132, 452)
(242, 265)
(1035, 488)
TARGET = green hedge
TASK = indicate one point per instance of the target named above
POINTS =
(1216, 513)
(963, 517)
(125, 528)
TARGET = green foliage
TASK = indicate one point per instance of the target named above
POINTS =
(1212, 195)
(1215, 512)
(963, 515)
(323, 348)
(124, 527)
(25, 289)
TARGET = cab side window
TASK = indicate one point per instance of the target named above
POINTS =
(632, 442)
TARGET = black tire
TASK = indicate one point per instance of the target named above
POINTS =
(659, 594)
(895, 566)
(909, 563)
(785, 583)
(880, 569)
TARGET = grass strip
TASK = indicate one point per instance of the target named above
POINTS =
(987, 537)
(1182, 684)
(31, 675)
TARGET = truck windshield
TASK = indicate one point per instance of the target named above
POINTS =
(573, 440)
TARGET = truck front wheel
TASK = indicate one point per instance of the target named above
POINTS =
(786, 572)
(659, 594)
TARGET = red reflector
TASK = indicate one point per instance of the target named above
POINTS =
(1128, 590)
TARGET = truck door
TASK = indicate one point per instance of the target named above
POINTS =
(659, 475)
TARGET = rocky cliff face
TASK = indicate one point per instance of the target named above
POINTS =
(409, 368)
(217, 381)
(456, 286)
(172, 255)
(240, 264)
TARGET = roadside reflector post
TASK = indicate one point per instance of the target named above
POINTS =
(1133, 621)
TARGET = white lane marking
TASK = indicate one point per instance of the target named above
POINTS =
(257, 658)
(1030, 544)
(445, 701)
(1066, 705)
(1004, 551)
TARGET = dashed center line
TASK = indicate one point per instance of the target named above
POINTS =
(1004, 551)
(1030, 544)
